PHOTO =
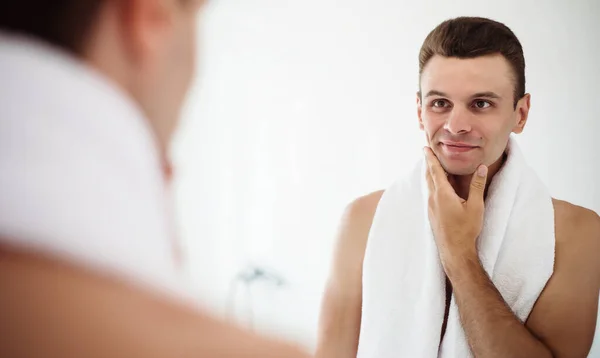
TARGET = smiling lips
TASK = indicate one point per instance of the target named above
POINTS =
(457, 147)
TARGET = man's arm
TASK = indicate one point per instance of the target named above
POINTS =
(339, 324)
(564, 317)
(491, 328)
(563, 321)
(50, 309)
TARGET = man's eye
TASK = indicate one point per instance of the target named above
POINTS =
(482, 104)
(440, 103)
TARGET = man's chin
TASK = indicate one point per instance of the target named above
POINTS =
(456, 170)
(461, 173)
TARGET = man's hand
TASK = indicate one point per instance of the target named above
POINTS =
(491, 328)
(456, 223)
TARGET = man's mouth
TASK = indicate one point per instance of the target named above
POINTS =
(457, 147)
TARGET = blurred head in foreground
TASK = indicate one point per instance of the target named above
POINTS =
(145, 46)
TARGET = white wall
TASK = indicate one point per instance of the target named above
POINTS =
(304, 105)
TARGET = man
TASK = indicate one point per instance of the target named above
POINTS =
(90, 92)
(472, 89)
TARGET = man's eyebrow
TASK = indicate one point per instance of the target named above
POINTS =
(436, 93)
(489, 94)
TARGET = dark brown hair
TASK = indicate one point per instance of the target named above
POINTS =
(470, 37)
(64, 23)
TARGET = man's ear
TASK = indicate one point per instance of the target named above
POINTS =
(523, 106)
(147, 24)
(419, 111)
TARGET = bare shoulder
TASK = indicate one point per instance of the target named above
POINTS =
(358, 218)
(572, 219)
(340, 317)
(353, 233)
(572, 211)
(362, 210)
(577, 235)
(55, 297)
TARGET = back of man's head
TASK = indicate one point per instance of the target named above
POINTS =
(63, 23)
(470, 37)
(147, 47)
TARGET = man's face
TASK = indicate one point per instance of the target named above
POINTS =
(467, 110)
(169, 64)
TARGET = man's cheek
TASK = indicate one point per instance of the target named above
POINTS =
(429, 133)
(428, 138)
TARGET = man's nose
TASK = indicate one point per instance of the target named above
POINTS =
(458, 121)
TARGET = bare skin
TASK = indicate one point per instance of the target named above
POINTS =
(340, 319)
(562, 322)
(51, 309)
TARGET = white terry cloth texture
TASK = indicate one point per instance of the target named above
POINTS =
(80, 174)
(403, 279)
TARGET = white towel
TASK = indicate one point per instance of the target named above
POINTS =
(404, 282)
(80, 175)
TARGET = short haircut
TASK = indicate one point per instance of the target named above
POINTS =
(470, 37)
(63, 23)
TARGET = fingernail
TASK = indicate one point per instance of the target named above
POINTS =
(482, 170)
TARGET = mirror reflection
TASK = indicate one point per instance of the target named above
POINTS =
(325, 107)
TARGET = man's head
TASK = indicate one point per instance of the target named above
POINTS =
(146, 46)
(472, 92)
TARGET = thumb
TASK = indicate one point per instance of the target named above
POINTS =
(478, 185)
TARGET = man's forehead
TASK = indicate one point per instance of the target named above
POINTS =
(464, 76)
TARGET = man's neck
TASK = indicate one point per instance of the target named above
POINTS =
(462, 183)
